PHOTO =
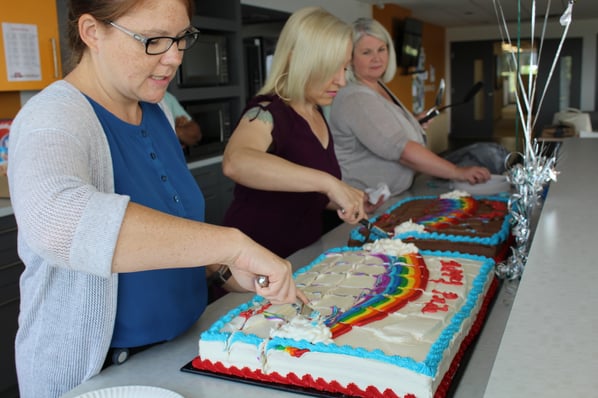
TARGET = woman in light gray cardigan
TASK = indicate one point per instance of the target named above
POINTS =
(376, 138)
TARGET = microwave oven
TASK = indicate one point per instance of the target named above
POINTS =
(215, 121)
(206, 63)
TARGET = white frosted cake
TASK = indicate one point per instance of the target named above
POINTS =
(386, 320)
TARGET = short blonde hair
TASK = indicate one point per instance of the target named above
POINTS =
(312, 47)
(370, 27)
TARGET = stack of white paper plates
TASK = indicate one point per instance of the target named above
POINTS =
(131, 392)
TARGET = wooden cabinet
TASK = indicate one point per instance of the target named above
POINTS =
(43, 15)
(11, 268)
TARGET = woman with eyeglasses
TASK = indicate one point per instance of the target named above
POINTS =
(110, 219)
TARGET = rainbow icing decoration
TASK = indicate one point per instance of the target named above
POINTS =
(292, 351)
(405, 280)
(444, 214)
(450, 211)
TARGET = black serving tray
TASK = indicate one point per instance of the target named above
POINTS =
(276, 386)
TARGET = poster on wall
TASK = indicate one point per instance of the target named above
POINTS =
(21, 52)
(418, 84)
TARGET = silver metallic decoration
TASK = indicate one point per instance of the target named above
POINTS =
(531, 176)
(530, 180)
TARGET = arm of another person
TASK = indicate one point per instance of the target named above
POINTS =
(187, 130)
(64, 219)
(230, 284)
(378, 128)
(150, 239)
(418, 157)
(247, 162)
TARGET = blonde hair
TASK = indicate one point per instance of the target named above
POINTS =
(370, 27)
(310, 50)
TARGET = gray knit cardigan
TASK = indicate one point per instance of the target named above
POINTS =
(68, 217)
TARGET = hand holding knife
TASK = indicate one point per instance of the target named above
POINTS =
(263, 281)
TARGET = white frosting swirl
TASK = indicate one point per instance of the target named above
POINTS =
(409, 226)
(393, 247)
(455, 194)
(302, 328)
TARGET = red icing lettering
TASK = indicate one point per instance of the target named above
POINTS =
(447, 295)
(452, 273)
(439, 301)
(433, 307)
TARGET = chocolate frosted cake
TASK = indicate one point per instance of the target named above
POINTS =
(452, 222)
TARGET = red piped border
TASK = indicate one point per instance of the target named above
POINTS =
(319, 384)
(475, 330)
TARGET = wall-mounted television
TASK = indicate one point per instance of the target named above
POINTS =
(408, 41)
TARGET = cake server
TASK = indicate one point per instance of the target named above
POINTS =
(435, 111)
(306, 309)
(379, 232)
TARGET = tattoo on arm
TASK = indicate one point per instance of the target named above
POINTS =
(259, 113)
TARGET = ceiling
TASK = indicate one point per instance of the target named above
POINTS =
(455, 13)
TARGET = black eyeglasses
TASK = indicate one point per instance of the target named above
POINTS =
(160, 44)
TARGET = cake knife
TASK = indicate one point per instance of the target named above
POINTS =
(373, 228)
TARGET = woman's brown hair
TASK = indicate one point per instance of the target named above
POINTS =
(102, 10)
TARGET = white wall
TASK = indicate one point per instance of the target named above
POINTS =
(347, 10)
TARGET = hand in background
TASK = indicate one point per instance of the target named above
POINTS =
(187, 131)
(372, 207)
(473, 174)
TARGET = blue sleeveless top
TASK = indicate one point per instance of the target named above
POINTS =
(285, 222)
(149, 166)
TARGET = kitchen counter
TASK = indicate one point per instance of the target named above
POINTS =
(549, 345)
(160, 365)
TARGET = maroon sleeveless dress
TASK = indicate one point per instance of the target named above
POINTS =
(285, 222)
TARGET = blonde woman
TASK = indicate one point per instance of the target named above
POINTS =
(281, 154)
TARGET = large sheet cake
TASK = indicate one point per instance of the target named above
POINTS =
(388, 320)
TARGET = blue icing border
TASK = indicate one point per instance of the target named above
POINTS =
(428, 367)
(495, 239)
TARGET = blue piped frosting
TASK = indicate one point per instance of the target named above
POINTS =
(429, 366)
